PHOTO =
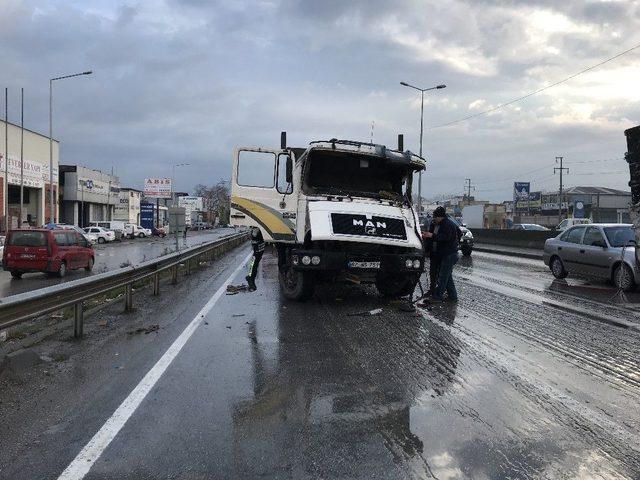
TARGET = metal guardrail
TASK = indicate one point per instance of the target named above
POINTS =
(26, 306)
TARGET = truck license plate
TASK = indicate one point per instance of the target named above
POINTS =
(29, 256)
(373, 265)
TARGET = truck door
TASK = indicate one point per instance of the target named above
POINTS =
(263, 192)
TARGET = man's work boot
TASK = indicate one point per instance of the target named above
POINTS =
(252, 283)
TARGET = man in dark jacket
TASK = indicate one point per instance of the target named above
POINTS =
(446, 241)
(257, 242)
(431, 250)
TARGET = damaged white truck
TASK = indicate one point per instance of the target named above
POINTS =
(337, 210)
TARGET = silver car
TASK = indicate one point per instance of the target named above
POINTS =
(604, 250)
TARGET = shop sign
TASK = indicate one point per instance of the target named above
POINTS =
(157, 187)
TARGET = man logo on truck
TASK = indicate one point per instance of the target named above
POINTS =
(369, 228)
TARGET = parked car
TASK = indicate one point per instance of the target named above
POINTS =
(2, 239)
(46, 250)
(102, 234)
(570, 222)
(91, 238)
(159, 231)
(529, 226)
(466, 241)
(142, 232)
(604, 250)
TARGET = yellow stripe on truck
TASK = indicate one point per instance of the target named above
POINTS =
(272, 221)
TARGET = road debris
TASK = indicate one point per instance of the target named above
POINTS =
(234, 289)
(368, 313)
(151, 328)
(238, 315)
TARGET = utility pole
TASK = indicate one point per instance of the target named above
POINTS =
(468, 186)
(20, 219)
(6, 160)
(560, 169)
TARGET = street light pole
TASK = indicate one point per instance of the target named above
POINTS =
(173, 174)
(51, 197)
(421, 90)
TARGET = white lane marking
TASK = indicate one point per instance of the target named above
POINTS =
(83, 462)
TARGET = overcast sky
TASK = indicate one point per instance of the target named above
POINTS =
(188, 80)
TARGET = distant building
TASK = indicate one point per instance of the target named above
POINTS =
(194, 208)
(88, 195)
(128, 207)
(34, 177)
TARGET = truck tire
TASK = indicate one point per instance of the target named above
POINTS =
(396, 285)
(296, 285)
(466, 251)
(16, 274)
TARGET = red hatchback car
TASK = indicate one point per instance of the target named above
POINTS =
(49, 251)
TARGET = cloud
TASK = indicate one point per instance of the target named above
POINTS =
(188, 80)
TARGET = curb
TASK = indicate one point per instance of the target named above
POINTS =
(509, 253)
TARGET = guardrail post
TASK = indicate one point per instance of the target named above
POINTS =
(174, 275)
(188, 266)
(78, 320)
(128, 298)
(156, 284)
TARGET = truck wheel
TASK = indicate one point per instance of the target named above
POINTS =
(89, 266)
(396, 285)
(62, 271)
(296, 285)
(466, 251)
(623, 278)
(16, 274)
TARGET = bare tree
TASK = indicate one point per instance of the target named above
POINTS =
(217, 200)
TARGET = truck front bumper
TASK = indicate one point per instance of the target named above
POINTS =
(321, 260)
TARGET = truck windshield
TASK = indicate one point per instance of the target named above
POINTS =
(341, 173)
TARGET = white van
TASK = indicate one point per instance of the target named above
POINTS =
(570, 222)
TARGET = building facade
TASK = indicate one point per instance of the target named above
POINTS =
(30, 176)
(88, 195)
(194, 208)
(128, 206)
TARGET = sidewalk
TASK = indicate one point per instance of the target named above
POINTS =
(531, 253)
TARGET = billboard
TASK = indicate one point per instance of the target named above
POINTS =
(521, 195)
(146, 215)
(157, 187)
(532, 202)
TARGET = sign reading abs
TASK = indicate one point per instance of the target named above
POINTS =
(368, 225)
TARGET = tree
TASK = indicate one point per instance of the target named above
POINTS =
(217, 200)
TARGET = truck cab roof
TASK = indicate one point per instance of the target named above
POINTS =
(396, 157)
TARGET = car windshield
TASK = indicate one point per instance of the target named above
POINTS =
(341, 173)
(534, 227)
(619, 236)
(28, 239)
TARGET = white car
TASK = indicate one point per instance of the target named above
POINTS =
(142, 232)
(570, 222)
(90, 237)
(102, 234)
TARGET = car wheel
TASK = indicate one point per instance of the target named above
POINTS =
(62, 271)
(557, 268)
(142, 235)
(101, 240)
(623, 277)
(466, 251)
(16, 274)
(89, 266)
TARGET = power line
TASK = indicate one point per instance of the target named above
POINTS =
(555, 84)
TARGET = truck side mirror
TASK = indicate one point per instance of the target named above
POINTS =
(289, 172)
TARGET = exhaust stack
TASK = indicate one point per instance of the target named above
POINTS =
(400, 142)
(633, 158)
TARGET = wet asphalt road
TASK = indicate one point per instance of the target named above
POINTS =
(524, 378)
(110, 257)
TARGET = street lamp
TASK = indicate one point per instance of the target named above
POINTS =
(51, 204)
(421, 90)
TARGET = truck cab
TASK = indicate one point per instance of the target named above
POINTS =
(337, 210)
